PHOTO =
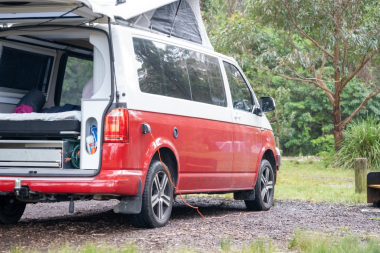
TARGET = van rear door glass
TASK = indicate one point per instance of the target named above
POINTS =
(176, 72)
(24, 70)
(241, 94)
(78, 73)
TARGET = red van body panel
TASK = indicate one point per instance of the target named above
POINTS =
(204, 167)
(108, 182)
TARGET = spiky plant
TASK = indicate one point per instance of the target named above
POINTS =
(361, 139)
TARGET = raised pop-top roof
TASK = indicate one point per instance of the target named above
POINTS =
(177, 18)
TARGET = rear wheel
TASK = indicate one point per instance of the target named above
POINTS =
(157, 199)
(264, 188)
(11, 210)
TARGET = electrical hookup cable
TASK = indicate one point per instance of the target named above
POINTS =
(195, 207)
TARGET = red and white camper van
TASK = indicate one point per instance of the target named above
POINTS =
(90, 91)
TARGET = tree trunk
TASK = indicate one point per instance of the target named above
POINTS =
(338, 136)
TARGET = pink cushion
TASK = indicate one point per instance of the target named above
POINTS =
(23, 109)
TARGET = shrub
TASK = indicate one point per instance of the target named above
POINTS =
(361, 139)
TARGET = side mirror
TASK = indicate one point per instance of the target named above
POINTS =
(267, 104)
(258, 111)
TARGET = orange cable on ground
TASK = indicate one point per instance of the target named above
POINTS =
(195, 207)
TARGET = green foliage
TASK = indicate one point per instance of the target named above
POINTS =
(260, 36)
(311, 242)
(325, 145)
(361, 139)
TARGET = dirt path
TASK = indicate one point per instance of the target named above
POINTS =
(45, 225)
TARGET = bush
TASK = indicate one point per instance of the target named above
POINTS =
(361, 139)
(325, 145)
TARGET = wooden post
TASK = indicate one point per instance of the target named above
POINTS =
(278, 142)
(360, 175)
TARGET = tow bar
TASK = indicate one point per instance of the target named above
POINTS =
(21, 190)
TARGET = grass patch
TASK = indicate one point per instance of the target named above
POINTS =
(315, 243)
(315, 182)
(225, 244)
(88, 248)
(260, 246)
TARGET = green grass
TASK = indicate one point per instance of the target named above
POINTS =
(88, 248)
(259, 246)
(302, 241)
(317, 183)
(310, 242)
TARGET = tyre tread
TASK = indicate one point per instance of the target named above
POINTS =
(143, 219)
(257, 205)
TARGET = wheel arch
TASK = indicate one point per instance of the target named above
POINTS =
(169, 158)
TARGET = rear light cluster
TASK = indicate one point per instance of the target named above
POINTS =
(116, 126)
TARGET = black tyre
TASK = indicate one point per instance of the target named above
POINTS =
(264, 188)
(157, 199)
(11, 210)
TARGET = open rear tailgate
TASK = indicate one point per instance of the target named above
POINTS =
(62, 11)
(38, 11)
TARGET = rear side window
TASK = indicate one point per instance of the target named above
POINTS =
(24, 70)
(180, 73)
(240, 93)
(78, 73)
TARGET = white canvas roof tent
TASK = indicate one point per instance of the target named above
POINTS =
(177, 18)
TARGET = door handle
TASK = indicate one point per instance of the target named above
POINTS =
(237, 116)
(262, 129)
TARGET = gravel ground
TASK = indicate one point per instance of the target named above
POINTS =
(44, 226)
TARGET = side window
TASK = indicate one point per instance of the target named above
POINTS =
(176, 72)
(78, 73)
(218, 94)
(206, 79)
(161, 69)
(24, 70)
(241, 95)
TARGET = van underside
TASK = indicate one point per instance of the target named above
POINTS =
(55, 88)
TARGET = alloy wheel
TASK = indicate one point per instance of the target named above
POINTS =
(161, 196)
(267, 185)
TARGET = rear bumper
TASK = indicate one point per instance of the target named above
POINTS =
(121, 182)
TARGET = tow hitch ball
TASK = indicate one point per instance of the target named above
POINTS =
(22, 191)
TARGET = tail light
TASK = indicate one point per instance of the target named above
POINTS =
(116, 126)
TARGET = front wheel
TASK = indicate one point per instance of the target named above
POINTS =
(264, 188)
(157, 199)
(11, 210)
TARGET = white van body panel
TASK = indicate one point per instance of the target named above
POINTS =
(129, 89)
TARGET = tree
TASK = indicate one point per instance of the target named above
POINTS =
(314, 35)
